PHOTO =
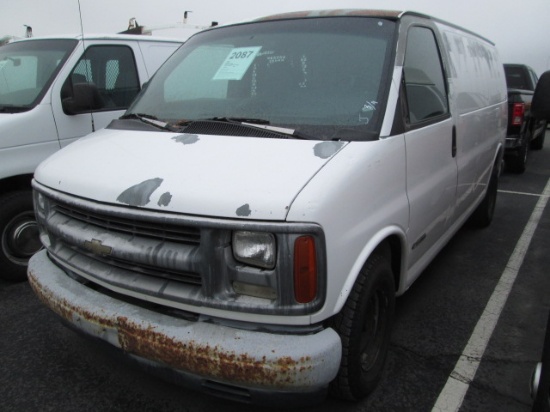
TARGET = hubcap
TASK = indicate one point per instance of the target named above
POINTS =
(20, 239)
(374, 328)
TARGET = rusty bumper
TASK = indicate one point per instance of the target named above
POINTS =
(246, 359)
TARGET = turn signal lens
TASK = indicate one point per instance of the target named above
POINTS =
(305, 269)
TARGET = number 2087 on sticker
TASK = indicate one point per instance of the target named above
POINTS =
(236, 63)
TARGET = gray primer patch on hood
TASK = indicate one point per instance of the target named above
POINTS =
(140, 194)
(165, 199)
(325, 150)
(186, 138)
(244, 210)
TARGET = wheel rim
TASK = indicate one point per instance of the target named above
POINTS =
(20, 239)
(374, 329)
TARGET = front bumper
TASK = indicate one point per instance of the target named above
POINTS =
(255, 364)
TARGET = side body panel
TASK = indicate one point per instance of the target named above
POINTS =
(27, 139)
(154, 55)
(478, 97)
(358, 198)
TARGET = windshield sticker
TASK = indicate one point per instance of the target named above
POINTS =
(236, 63)
(3, 63)
(367, 111)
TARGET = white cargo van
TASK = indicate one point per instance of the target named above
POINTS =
(52, 91)
(247, 224)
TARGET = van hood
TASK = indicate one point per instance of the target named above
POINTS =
(204, 175)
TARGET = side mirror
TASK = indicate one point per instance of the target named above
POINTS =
(85, 98)
(540, 105)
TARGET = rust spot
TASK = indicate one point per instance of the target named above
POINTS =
(65, 309)
(195, 357)
(207, 360)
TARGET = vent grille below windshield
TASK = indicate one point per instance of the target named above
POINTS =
(229, 129)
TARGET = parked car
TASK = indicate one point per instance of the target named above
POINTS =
(246, 226)
(524, 130)
(540, 381)
(54, 90)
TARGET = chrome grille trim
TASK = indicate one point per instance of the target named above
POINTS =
(156, 230)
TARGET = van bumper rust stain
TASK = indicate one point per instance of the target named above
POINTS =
(289, 363)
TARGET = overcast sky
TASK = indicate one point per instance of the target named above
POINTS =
(521, 30)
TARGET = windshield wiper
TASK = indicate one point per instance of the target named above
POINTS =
(236, 120)
(283, 130)
(241, 120)
(250, 122)
(149, 119)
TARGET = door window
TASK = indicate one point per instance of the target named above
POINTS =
(110, 76)
(424, 77)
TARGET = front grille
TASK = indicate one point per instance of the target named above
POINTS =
(156, 230)
(126, 245)
(177, 261)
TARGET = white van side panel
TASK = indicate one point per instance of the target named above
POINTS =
(478, 102)
(27, 139)
(35, 126)
(154, 55)
(358, 194)
(22, 160)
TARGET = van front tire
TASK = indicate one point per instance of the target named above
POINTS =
(364, 325)
(19, 238)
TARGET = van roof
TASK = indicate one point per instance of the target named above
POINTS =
(335, 12)
(100, 36)
(387, 14)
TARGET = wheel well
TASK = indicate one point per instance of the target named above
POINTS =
(15, 183)
(391, 248)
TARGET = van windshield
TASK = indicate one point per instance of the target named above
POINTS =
(324, 77)
(27, 69)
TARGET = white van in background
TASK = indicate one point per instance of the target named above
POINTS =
(246, 226)
(53, 91)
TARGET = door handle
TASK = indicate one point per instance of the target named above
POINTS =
(453, 148)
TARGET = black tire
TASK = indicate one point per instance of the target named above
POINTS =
(19, 238)
(517, 164)
(538, 142)
(364, 325)
(483, 215)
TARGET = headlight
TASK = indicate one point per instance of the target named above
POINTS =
(255, 248)
(42, 210)
(41, 205)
